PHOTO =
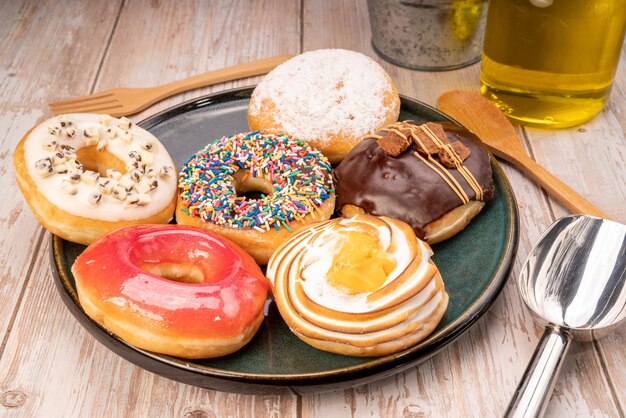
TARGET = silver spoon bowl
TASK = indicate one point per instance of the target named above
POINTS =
(574, 282)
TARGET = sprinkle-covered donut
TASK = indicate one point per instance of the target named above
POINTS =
(293, 179)
(86, 174)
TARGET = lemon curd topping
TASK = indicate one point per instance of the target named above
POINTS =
(359, 264)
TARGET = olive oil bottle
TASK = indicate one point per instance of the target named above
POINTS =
(551, 63)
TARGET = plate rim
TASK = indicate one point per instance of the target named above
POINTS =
(374, 369)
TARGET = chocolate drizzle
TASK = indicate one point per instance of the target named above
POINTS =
(405, 187)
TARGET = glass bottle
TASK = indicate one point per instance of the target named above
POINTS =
(551, 63)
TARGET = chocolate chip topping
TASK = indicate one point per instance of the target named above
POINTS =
(404, 187)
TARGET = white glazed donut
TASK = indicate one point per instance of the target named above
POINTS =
(86, 174)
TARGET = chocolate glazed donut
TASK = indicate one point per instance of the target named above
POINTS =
(415, 188)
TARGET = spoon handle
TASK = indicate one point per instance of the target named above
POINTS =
(533, 392)
(556, 188)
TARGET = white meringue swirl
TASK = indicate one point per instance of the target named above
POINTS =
(404, 310)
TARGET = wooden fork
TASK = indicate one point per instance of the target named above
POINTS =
(127, 101)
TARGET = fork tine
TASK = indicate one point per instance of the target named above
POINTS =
(91, 103)
(82, 99)
(90, 109)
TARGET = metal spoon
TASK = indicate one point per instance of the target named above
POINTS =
(574, 280)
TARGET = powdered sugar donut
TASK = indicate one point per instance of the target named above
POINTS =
(330, 98)
(86, 174)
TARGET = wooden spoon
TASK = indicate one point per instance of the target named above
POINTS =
(487, 122)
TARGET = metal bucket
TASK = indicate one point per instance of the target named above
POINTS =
(429, 35)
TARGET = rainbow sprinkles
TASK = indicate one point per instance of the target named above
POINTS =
(300, 178)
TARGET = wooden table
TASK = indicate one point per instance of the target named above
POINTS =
(50, 367)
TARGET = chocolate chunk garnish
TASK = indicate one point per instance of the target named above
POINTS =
(420, 194)
(446, 158)
(437, 129)
(393, 144)
(423, 143)
(461, 151)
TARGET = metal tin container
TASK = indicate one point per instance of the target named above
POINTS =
(431, 35)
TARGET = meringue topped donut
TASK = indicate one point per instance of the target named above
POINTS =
(86, 174)
(431, 176)
(364, 286)
(328, 97)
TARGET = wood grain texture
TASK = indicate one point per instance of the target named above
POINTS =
(192, 37)
(33, 38)
(49, 366)
(611, 348)
(153, 43)
(481, 370)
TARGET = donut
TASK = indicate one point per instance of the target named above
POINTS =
(431, 176)
(294, 182)
(84, 175)
(329, 98)
(360, 286)
(171, 289)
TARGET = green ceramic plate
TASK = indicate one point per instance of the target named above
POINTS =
(474, 265)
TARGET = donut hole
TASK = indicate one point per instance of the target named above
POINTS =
(178, 272)
(99, 161)
(251, 187)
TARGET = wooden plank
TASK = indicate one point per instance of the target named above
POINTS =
(481, 370)
(65, 372)
(589, 158)
(611, 348)
(191, 38)
(616, 106)
(41, 45)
